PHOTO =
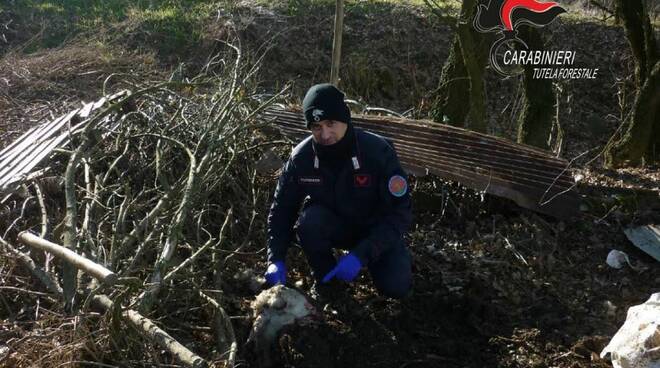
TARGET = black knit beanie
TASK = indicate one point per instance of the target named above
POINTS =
(325, 102)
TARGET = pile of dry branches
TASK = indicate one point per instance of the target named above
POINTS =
(161, 200)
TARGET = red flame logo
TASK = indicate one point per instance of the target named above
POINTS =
(504, 17)
(508, 7)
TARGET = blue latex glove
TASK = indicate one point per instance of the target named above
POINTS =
(347, 269)
(276, 273)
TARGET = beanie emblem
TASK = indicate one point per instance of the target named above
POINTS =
(317, 113)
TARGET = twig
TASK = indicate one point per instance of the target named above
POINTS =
(90, 205)
(37, 293)
(139, 251)
(50, 282)
(541, 201)
(194, 256)
(255, 194)
(132, 237)
(17, 219)
(70, 218)
(226, 336)
(601, 220)
(265, 144)
(515, 251)
(42, 207)
(119, 224)
(147, 298)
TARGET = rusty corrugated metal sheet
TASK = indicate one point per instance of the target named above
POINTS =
(529, 176)
(20, 157)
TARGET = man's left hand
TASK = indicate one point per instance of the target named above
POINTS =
(347, 269)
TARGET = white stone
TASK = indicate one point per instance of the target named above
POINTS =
(617, 259)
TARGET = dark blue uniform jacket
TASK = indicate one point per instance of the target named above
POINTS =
(368, 195)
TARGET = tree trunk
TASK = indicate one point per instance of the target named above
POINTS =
(452, 103)
(639, 32)
(474, 57)
(461, 94)
(535, 120)
(641, 142)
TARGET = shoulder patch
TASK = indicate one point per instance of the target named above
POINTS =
(398, 186)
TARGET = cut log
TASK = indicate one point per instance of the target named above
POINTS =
(96, 270)
(144, 325)
(155, 334)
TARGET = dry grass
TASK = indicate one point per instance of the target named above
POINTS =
(42, 85)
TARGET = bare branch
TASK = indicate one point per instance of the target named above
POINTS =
(76, 260)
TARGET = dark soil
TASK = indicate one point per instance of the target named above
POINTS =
(495, 286)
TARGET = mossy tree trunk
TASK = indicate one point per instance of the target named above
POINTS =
(475, 51)
(641, 141)
(538, 110)
(452, 101)
(461, 95)
(637, 25)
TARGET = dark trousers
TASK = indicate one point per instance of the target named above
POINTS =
(320, 230)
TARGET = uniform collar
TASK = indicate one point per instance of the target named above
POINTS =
(346, 149)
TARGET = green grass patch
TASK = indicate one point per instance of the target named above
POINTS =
(374, 7)
(168, 25)
(170, 29)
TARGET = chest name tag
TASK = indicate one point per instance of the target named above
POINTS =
(362, 180)
(310, 180)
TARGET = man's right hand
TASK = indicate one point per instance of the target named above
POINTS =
(276, 273)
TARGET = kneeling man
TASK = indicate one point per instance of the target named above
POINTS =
(355, 196)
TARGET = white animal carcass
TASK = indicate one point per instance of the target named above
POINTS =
(637, 343)
(273, 309)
